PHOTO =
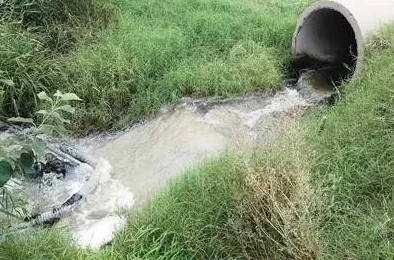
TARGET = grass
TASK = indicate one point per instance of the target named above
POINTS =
(328, 197)
(38, 245)
(354, 164)
(125, 59)
(324, 191)
(231, 208)
(35, 36)
(276, 218)
(164, 50)
(228, 208)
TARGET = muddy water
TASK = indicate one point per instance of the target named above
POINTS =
(147, 156)
(133, 165)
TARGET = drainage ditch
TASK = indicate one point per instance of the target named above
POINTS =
(92, 200)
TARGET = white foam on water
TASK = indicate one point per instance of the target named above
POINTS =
(100, 232)
(147, 156)
(281, 102)
(103, 211)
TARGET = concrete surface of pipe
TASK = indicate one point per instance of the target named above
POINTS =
(335, 31)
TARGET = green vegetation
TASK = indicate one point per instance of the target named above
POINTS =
(163, 50)
(19, 155)
(329, 197)
(36, 37)
(355, 150)
(35, 34)
(127, 58)
(38, 245)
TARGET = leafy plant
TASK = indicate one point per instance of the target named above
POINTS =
(5, 172)
(20, 164)
(54, 113)
(10, 167)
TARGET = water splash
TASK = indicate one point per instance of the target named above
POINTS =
(104, 211)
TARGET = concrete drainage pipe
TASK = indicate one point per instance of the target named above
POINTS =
(335, 31)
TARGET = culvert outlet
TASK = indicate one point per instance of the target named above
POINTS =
(336, 31)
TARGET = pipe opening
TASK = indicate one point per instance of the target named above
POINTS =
(326, 41)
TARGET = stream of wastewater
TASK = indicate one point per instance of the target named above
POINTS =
(134, 164)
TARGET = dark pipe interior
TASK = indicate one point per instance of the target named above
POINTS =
(326, 40)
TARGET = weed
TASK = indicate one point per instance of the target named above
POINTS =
(276, 217)
(40, 244)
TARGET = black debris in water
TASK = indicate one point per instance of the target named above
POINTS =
(318, 81)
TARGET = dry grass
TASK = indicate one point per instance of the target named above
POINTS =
(274, 218)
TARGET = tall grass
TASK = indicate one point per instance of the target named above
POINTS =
(324, 191)
(58, 25)
(24, 71)
(321, 194)
(35, 37)
(39, 245)
(355, 144)
(163, 50)
(154, 52)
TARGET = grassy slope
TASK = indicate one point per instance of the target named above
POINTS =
(163, 50)
(355, 160)
(157, 52)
